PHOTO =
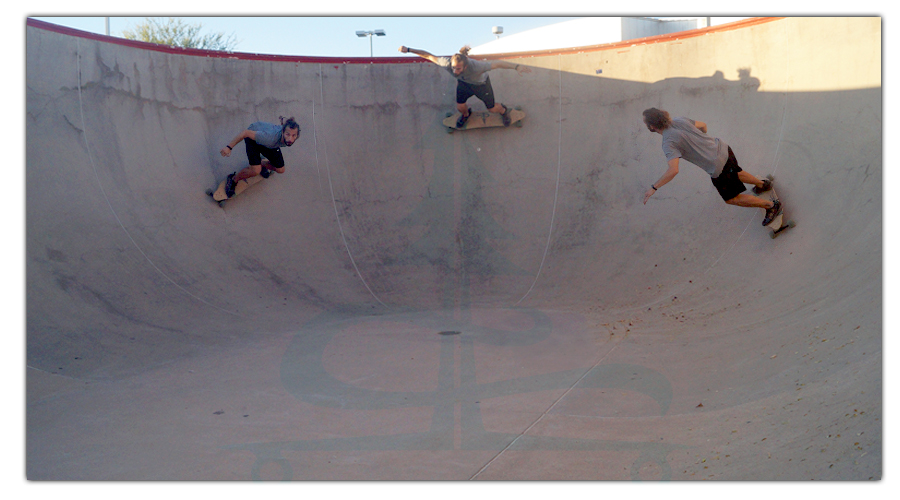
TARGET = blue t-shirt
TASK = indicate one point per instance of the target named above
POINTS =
(474, 73)
(684, 140)
(269, 135)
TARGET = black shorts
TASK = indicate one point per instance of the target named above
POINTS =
(254, 151)
(482, 91)
(727, 183)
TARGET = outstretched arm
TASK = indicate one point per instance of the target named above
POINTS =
(508, 65)
(700, 125)
(421, 53)
(670, 174)
(246, 134)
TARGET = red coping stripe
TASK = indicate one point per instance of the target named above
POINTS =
(34, 23)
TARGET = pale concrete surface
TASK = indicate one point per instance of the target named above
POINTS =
(405, 303)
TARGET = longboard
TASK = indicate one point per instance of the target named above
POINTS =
(778, 224)
(484, 119)
(219, 193)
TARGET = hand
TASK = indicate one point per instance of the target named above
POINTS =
(403, 49)
(648, 194)
(226, 152)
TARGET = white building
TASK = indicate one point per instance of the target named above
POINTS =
(588, 31)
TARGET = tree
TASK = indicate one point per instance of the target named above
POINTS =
(177, 33)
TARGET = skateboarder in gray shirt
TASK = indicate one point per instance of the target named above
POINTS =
(683, 138)
(262, 139)
(472, 80)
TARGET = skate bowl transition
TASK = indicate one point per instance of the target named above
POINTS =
(404, 303)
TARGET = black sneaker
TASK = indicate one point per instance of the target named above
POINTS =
(505, 116)
(461, 121)
(265, 172)
(229, 185)
(767, 185)
(773, 212)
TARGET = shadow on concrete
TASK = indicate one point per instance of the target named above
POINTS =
(407, 303)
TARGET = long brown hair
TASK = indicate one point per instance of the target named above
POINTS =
(657, 118)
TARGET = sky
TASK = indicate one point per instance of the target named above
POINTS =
(336, 36)
(300, 29)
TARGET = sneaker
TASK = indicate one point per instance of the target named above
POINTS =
(773, 212)
(767, 185)
(229, 185)
(461, 121)
(505, 116)
(265, 172)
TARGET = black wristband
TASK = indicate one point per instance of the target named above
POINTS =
(229, 147)
(654, 187)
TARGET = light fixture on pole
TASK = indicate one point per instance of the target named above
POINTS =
(497, 31)
(369, 34)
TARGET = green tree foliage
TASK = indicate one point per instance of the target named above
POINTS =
(178, 33)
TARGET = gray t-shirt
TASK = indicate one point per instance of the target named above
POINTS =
(269, 135)
(474, 73)
(684, 140)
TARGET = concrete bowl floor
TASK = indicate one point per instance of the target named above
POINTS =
(405, 303)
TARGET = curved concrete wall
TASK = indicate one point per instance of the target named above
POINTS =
(583, 316)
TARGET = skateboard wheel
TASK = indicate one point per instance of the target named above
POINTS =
(518, 108)
(209, 192)
(448, 115)
(222, 203)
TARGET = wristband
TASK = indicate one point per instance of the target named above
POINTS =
(654, 187)
(229, 147)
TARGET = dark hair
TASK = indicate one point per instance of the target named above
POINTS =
(287, 123)
(657, 118)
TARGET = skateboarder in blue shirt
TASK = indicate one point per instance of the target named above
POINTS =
(472, 80)
(262, 139)
(684, 138)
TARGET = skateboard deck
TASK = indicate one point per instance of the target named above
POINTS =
(219, 193)
(484, 119)
(778, 224)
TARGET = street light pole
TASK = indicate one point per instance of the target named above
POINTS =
(369, 34)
